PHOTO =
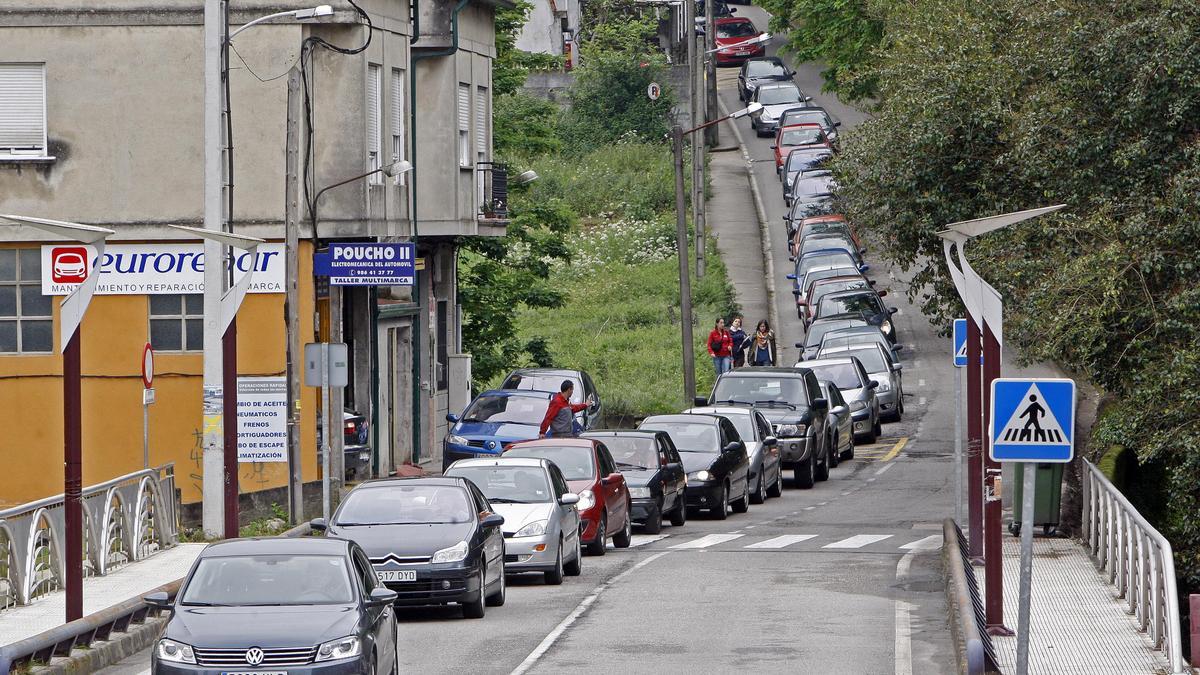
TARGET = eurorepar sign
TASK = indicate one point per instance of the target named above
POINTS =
(151, 269)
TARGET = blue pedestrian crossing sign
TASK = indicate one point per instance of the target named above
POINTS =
(960, 343)
(1033, 420)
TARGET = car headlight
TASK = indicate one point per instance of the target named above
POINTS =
(701, 476)
(532, 529)
(766, 117)
(886, 327)
(639, 492)
(587, 500)
(884, 385)
(789, 430)
(175, 652)
(858, 405)
(456, 440)
(341, 648)
(453, 554)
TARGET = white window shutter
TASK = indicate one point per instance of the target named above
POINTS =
(481, 122)
(373, 119)
(23, 108)
(464, 125)
(397, 115)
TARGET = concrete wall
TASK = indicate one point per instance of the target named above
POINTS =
(542, 32)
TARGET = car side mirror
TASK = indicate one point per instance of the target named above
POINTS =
(774, 147)
(381, 596)
(800, 345)
(897, 368)
(791, 258)
(318, 525)
(873, 384)
(807, 99)
(837, 123)
(839, 410)
(821, 403)
(674, 466)
(864, 267)
(451, 418)
(796, 292)
(492, 520)
(157, 600)
(770, 441)
(605, 480)
(792, 277)
(735, 446)
(883, 293)
(871, 282)
(897, 347)
(700, 401)
(569, 499)
(893, 310)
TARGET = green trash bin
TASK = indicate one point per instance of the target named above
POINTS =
(1046, 498)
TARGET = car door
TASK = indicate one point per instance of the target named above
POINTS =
(568, 515)
(669, 472)
(381, 631)
(616, 495)
(820, 417)
(872, 398)
(738, 460)
(770, 454)
(491, 538)
(593, 413)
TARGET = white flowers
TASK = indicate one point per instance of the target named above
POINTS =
(619, 242)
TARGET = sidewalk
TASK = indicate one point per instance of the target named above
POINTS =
(127, 581)
(1077, 624)
(733, 222)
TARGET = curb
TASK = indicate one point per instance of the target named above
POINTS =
(103, 654)
(952, 610)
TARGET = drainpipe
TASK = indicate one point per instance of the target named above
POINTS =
(412, 125)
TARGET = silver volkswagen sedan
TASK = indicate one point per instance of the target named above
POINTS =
(857, 388)
(881, 368)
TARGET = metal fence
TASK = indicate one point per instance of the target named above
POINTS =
(125, 519)
(979, 652)
(1137, 560)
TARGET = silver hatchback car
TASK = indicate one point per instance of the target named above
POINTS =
(857, 388)
(881, 368)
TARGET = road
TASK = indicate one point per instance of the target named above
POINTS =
(843, 578)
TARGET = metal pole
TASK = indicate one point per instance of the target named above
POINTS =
(974, 446)
(229, 382)
(73, 476)
(214, 459)
(699, 116)
(685, 284)
(337, 437)
(958, 456)
(993, 544)
(713, 133)
(145, 430)
(327, 430)
(1028, 483)
(291, 305)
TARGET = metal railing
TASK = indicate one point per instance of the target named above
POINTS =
(968, 607)
(1137, 560)
(493, 190)
(125, 519)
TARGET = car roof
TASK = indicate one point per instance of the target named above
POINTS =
(557, 372)
(835, 361)
(683, 417)
(733, 19)
(811, 149)
(765, 371)
(801, 125)
(563, 441)
(277, 545)
(773, 60)
(829, 217)
(442, 481)
(502, 462)
(866, 329)
(850, 323)
(861, 347)
(531, 393)
(719, 410)
(779, 85)
(850, 292)
(617, 433)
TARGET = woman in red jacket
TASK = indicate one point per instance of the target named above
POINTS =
(720, 347)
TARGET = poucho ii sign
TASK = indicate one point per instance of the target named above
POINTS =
(366, 264)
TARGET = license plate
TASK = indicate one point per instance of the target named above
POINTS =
(255, 672)
(396, 575)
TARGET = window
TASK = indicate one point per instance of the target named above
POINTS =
(23, 115)
(481, 123)
(26, 326)
(374, 150)
(464, 126)
(398, 119)
(177, 322)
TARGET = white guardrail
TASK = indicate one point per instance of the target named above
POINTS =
(1138, 561)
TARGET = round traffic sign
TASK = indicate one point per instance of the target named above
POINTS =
(147, 366)
(653, 91)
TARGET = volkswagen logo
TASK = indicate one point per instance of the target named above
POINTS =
(254, 656)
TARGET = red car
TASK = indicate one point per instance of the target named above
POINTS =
(591, 473)
(835, 221)
(795, 136)
(730, 32)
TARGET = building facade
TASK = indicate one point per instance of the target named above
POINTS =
(552, 27)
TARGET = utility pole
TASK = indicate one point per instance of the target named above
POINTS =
(291, 306)
(685, 283)
(699, 116)
(712, 133)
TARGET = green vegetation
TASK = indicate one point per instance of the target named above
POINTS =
(841, 33)
(991, 107)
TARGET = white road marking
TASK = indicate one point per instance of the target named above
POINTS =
(809, 508)
(706, 541)
(641, 540)
(920, 383)
(782, 542)
(885, 468)
(548, 641)
(922, 402)
(903, 638)
(929, 543)
(858, 541)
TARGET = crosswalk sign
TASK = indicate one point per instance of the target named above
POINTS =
(960, 343)
(1033, 420)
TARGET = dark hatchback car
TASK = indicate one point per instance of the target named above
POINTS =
(864, 301)
(653, 471)
(714, 457)
(434, 541)
(755, 72)
(817, 330)
(303, 605)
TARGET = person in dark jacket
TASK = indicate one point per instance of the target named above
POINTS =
(762, 345)
(560, 416)
(720, 347)
(740, 341)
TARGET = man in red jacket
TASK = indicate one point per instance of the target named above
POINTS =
(560, 416)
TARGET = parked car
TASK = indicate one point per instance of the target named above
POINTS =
(863, 301)
(817, 330)
(859, 335)
(755, 72)
(835, 223)
(791, 400)
(653, 471)
(882, 368)
(857, 388)
(822, 287)
(714, 457)
(591, 473)
(823, 258)
(732, 34)
(356, 445)
(794, 137)
(774, 99)
(831, 241)
(812, 114)
(841, 430)
(551, 379)
(809, 207)
(720, 9)
(309, 604)
(766, 470)
(434, 541)
(815, 273)
(806, 182)
(541, 523)
(495, 419)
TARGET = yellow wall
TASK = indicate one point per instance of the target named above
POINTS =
(113, 333)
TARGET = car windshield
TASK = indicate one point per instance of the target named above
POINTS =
(801, 160)
(401, 504)
(742, 421)
(742, 29)
(777, 95)
(803, 136)
(840, 258)
(849, 304)
(687, 436)
(819, 328)
(872, 359)
(575, 461)
(641, 452)
(844, 375)
(851, 339)
(507, 484)
(810, 117)
(787, 391)
(515, 409)
(836, 287)
(544, 382)
(250, 580)
(765, 69)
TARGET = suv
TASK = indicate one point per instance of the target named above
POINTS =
(791, 400)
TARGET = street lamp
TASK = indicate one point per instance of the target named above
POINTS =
(298, 14)
(70, 315)
(685, 282)
(390, 170)
(757, 40)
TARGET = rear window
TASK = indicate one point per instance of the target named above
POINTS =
(807, 136)
(576, 462)
(763, 69)
(844, 375)
(735, 30)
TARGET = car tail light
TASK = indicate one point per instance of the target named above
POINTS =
(351, 427)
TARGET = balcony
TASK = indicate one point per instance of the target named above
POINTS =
(492, 190)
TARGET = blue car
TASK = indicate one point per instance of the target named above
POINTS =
(495, 419)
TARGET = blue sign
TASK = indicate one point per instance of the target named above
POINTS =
(960, 343)
(1033, 420)
(366, 264)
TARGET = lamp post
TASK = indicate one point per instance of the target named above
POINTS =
(685, 282)
(71, 313)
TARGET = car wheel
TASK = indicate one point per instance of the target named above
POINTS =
(373, 665)
(759, 496)
(624, 538)
(835, 457)
(575, 567)
(776, 489)
(396, 663)
(804, 473)
(555, 576)
(599, 545)
(679, 515)
(849, 453)
(653, 523)
(721, 510)
(900, 404)
(474, 609)
(497, 599)
(878, 428)
(870, 437)
(821, 469)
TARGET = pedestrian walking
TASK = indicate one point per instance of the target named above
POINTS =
(740, 341)
(762, 345)
(720, 347)
(560, 416)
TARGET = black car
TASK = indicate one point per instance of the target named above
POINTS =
(791, 400)
(551, 379)
(763, 70)
(295, 605)
(434, 541)
(812, 115)
(863, 301)
(714, 457)
(356, 445)
(653, 471)
(808, 184)
(818, 328)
